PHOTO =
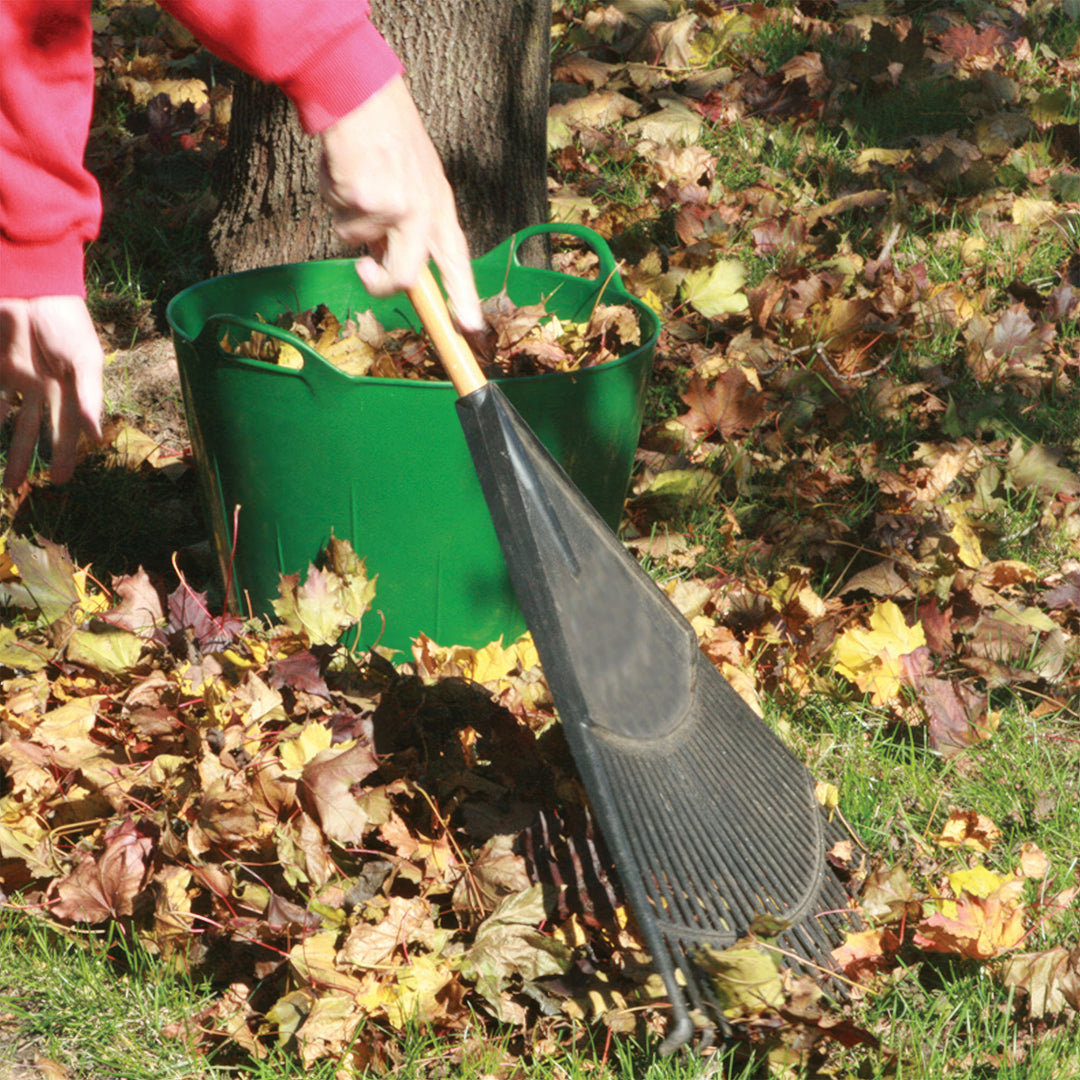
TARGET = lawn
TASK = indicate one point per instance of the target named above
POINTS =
(230, 847)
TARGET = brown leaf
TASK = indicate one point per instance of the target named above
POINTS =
(227, 816)
(302, 850)
(888, 895)
(882, 580)
(495, 873)
(104, 888)
(732, 405)
(329, 1029)
(956, 715)
(619, 321)
(808, 66)
(970, 47)
(937, 625)
(325, 790)
(1050, 979)
(140, 609)
(596, 110)
(856, 200)
(1066, 594)
(584, 69)
(406, 922)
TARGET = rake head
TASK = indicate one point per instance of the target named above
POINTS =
(713, 828)
(710, 821)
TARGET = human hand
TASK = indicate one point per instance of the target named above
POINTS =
(50, 354)
(382, 178)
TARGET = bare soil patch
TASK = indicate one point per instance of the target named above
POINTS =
(142, 384)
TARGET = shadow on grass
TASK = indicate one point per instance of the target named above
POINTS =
(116, 520)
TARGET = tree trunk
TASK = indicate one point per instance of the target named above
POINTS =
(270, 210)
(479, 72)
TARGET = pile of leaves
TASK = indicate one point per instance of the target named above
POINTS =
(338, 839)
(341, 840)
(517, 341)
(860, 481)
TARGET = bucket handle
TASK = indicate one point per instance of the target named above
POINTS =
(317, 372)
(592, 238)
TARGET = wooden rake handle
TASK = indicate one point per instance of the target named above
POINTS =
(453, 349)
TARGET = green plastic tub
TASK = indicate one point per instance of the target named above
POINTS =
(293, 456)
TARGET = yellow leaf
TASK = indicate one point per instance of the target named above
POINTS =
(828, 795)
(313, 961)
(967, 540)
(112, 651)
(1012, 613)
(969, 828)
(971, 250)
(716, 290)
(21, 655)
(525, 652)
(745, 978)
(413, 995)
(653, 301)
(871, 658)
(296, 753)
(1032, 211)
(978, 881)
(674, 125)
(876, 155)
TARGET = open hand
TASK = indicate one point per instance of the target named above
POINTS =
(50, 354)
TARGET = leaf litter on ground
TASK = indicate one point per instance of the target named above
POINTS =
(366, 840)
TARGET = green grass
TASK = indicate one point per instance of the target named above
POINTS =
(98, 1008)
(776, 42)
(936, 1018)
(93, 1016)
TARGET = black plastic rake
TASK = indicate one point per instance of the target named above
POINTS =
(711, 822)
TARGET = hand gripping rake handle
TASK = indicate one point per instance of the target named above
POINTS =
(453, 349)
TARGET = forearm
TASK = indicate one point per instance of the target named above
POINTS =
(327, 57)
(49, 204)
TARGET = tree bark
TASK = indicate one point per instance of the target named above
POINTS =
(479, 71)
(270, 210)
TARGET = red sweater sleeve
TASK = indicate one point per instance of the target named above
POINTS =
(324, 54)
(49, 204)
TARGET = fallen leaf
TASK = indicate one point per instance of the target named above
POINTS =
(872, 658)
(325, 789)
(970, 829)
(108, 650)
(405, 922)
(745, 978)
(1050, 979)
(716, 290)
(864, 950)
(140, 609)
(985, 920)
(105, 887)
(508, 945)
(1034, 863)
(731, 406)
